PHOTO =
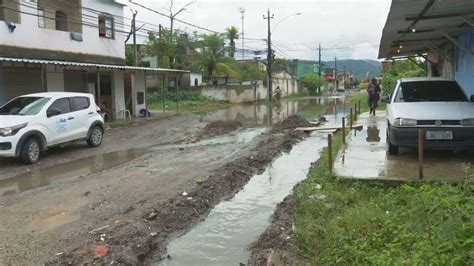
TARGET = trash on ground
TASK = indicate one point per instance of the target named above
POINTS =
(101, 250)
(98, 229)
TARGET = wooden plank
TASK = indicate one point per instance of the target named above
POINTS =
(357, 127)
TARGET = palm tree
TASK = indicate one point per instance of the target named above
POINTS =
(232, 33)
(212, 60)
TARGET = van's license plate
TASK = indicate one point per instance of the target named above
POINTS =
(439, 135)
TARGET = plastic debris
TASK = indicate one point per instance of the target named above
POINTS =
(101, 250)
(98, 229)
(185, 193)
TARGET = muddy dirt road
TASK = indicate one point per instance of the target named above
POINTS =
(144, 186)
(134, 203)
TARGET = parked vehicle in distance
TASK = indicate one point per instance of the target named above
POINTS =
(32, 123)
(438, 106)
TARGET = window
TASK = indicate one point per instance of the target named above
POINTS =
(61, 21)
(41, 21)
(24, 106)
(430, 91)
(106, 26)
(63, 105)
(80, 103)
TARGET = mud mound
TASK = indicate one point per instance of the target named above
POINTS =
(218, 128)
(144, 240)
(291, 123)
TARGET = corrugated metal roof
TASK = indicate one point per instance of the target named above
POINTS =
(92, 65)
(427, 29)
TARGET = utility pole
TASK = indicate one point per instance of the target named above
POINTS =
(344, 78)
(134, 30)
(319, 68)
(335, 73)
(269, 55)
(242, 11)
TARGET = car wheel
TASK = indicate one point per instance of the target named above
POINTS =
(392, 149)
(30, 151)
(96, 137)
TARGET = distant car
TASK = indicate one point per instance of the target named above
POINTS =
(32, 123)
(439, 106)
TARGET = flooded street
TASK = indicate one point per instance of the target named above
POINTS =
(76, 189)
(224, 237)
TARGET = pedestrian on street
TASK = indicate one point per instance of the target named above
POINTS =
(374, 95)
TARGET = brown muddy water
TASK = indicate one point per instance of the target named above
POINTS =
(67, 171)
(223, 238)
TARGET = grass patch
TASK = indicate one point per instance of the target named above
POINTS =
(188, 102)
(363, 98)
(341, 221)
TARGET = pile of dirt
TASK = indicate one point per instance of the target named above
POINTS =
(217, 128)
(143, 240)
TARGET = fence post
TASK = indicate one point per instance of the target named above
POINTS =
(421, 147)
(355, 113)
(350, 121)
(343, 130)
(359, 108)
(330, 153)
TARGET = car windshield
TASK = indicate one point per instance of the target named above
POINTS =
(430, 91)
(24, 106)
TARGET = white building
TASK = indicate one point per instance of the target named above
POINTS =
(74, 45)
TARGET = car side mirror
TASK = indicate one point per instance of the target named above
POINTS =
(385, 99)
(53, 112)
(472, 98)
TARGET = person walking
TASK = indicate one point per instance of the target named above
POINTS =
(374, 95)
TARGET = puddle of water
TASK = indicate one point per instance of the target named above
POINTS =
(223, 238)
(264, 115)
(61, 173)
(365, 157)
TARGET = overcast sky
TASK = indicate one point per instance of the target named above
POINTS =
(354, 26)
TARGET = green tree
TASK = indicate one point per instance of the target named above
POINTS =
(400, 69)
(312, 82)
(211, 58)
(252, 72)
(232, 34)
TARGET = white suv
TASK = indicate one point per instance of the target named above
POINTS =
(32, 123)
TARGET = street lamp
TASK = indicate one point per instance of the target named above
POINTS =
(281, 20)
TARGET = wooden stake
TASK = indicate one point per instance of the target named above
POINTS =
(343, 130)
(359, 108)
(421, 146)
(330, 153)
(350, 121)
(355, 108)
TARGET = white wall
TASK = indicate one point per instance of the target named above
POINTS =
(118, 93)
(194, 76)
(28, 35)
(138, 85)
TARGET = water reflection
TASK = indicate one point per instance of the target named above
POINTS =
(373, 134)
(263, 114)
(62, 172)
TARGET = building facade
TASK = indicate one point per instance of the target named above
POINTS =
(73, 46)
(441, 32)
